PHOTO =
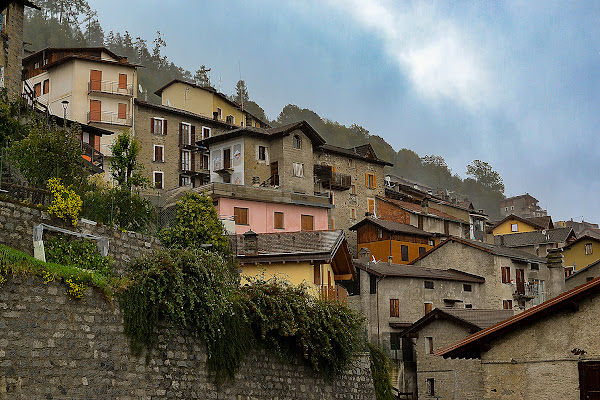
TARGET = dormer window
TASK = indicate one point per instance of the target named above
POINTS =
(297, 142)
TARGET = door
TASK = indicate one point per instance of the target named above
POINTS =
(227, 158)
(95, 80)
(520, 281)
(589, 380)
(275, 173)
(95, 110)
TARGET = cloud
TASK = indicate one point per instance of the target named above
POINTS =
(439, 57)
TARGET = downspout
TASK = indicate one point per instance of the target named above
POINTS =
(377, 299)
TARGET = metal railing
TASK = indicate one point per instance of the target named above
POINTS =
(220, 165)
(106, 117)
(110, 88)
(339, 181)
(525, 289)
(92, 155)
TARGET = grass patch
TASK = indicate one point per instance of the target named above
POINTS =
(16, 263)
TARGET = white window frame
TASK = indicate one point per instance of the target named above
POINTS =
(219, 113)
(298, 170)
(206, 129)
(189, 133)
(154, 153)
(162, 126)
(162, 181)
(186, 160)
(298, 139)
(514, 227)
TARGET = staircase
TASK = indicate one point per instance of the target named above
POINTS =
(33, 101)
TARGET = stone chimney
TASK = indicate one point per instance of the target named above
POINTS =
(364, 255)
(425, 206)
(250, 242)
(556, 275)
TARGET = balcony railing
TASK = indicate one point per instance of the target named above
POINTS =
(334, 293)
(110, 88)
(92, 155)
(332, 180)
(225, 165)
(525, 290)
(106, 117)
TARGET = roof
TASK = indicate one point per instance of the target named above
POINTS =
(581, 239)
(27, 3)
(522, 196)
(315, 246)
(84, 127)
(392, 226)
(269, 133)
(513, 254)
(384, 269)
(472, 345)
(418, 209)
(590, 266)
(211, 89)
(74, 51)
(536, 222)
(180, 112)
(558, 235)
(359, 152)
(473, 318)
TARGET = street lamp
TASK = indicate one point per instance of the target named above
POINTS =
(65, 104)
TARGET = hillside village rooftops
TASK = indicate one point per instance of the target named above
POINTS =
(474, 318)
(558, 235)
(384, 269)
(418, 209)
(513, 254)
(581, 239)
(364, 153)
(392, 226)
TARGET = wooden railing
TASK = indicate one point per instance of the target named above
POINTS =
(334, 293)
(28, 193)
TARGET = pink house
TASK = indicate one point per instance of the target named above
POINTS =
(267, 210)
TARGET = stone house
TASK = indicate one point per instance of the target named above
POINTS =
(388, 240)
(515, 224)
(514, 279)
(524, 206)
(353, 178)
(448, 378)
(547, 352)
(580, 253)
(537, 242)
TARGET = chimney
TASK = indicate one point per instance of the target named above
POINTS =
(364, 255)
(250, 242)
(556, 269)
(425, 206)
(215, 115)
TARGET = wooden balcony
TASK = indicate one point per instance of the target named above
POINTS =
(111, 118)
(334, 293)
(332, 180)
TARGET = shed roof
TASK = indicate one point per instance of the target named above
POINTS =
(392, 226)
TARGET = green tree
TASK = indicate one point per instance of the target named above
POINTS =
(126, 170)
(197, 225)
(241, 93)
(201, 77)
(485, 175)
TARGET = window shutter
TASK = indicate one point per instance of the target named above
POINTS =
(180, 134)
(367, 180)
(164, 127)
(193, 162)
(193, 136)
(152, 125)
(180, 160)
(374, 181)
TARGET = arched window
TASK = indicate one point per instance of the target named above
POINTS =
(297, 142)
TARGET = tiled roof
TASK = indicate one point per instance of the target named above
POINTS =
(469, 347)
(418, 209)
(392, 227)
(410, 271)
(537, 222)
(267, 133)
(558, 235)
(179, 111)
(587, 268)
(545, 221)
(581, 239)
(354, 152)
(476, 319)
(304, 242)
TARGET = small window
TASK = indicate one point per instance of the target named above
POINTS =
(505, 208)
(428, 284)
(158, 153)
(122, 81)
(297, 142)
(428, 307)
(230, 119)
(372, 284)
(370, 181)
(122, 111)
(468, 305)
(158, 180)
(505, 274)
(422, 250)
(352, 189)
(589, 278)
(512, 208)
(186, 162)
(351, 163)
(353, 213)
(431, 242)
(379, 233)
(184, 180)
(535, 266)
(46, 87)
(507, 304)
(298, 170)
(514, 227)
(371, 203)
(430, 386)
(278, 220)
(588, 248)
(332, 224)
(219, 113)
(262, 153)
(404, 252)
(185, 134)
(205, 132)
(395, 340)
(36, 65)
(317, 274)
(240, 215)
(158, 126)
(428, 345)
(394, 308)
(467, 287)
(37, 88)
(307, 222)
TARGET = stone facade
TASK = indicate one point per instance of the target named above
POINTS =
(16, 230)
(55, 348)
(12, 57)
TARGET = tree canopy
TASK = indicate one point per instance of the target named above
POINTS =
(485, 175)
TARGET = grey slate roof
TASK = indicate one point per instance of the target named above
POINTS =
(505, 251)
(480, 317)
(410, 271)
(557, 235)
(392, 226)
(293, 243)
(358, 152)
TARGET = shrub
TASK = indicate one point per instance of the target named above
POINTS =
(66, 204)
(380, 372)
(78, 253)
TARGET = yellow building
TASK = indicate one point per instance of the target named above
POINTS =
(206, 101)
(516, 224)
(581, 253)
(318, 259)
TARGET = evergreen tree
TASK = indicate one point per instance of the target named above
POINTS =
(241, 93)
(201, 77)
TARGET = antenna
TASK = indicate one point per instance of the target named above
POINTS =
(219, 84)
(240, 70)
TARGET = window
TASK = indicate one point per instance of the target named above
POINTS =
(446, 227)
(394, 308)
(428, 307)
(186, 160)
(428, 345)
(332, 224)
(95, 110)
(307, 222)
(278, 220)
(352, 189)
(589, 278)
(395, 340)
(262, 153)
(505, 208)
(588, 248)
(185, 134)
(37, 88)
(95, 80)
(431, 242)
(372, 284)
(371, 203)
(467, 287)
(240, 215)
(122, 111)
(298, 170)
(535, 266)
(512, 208)
(184, 180)
(219, 113)
(420, 222)
(507, 304)
(353, 213)
(370, 181)
(37, 64)
(422, 250)
(514, 227)
(468, 305)
(205, 132)
(123, 81)
(404, 252)
(46, 88)
(428, 284)
(505, 274)
(158, 126)
(158, 153)
(430, 386)
(351, 163)
(158, 180)
(297, 142)
(230, 119)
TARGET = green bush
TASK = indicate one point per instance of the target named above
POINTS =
(78, 253)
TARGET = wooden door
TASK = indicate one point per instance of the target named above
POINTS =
(227, 158)
(589, 380)
(95, 110)
(95, 80)
(520, 281)
(275, 173)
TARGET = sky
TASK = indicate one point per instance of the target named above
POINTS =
(515, 83)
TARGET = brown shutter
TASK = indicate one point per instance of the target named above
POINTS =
(122, 81)
(180, 134)
(181, 160)
(278, 220)
(193, 162)
(374, 181)
(164, 127)
(152, 125)
(307, 222)
(95, 80)
(394, 308)
(95, 110)
(193, 136)
(367, 180)
(427, 308)
(122, 110)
